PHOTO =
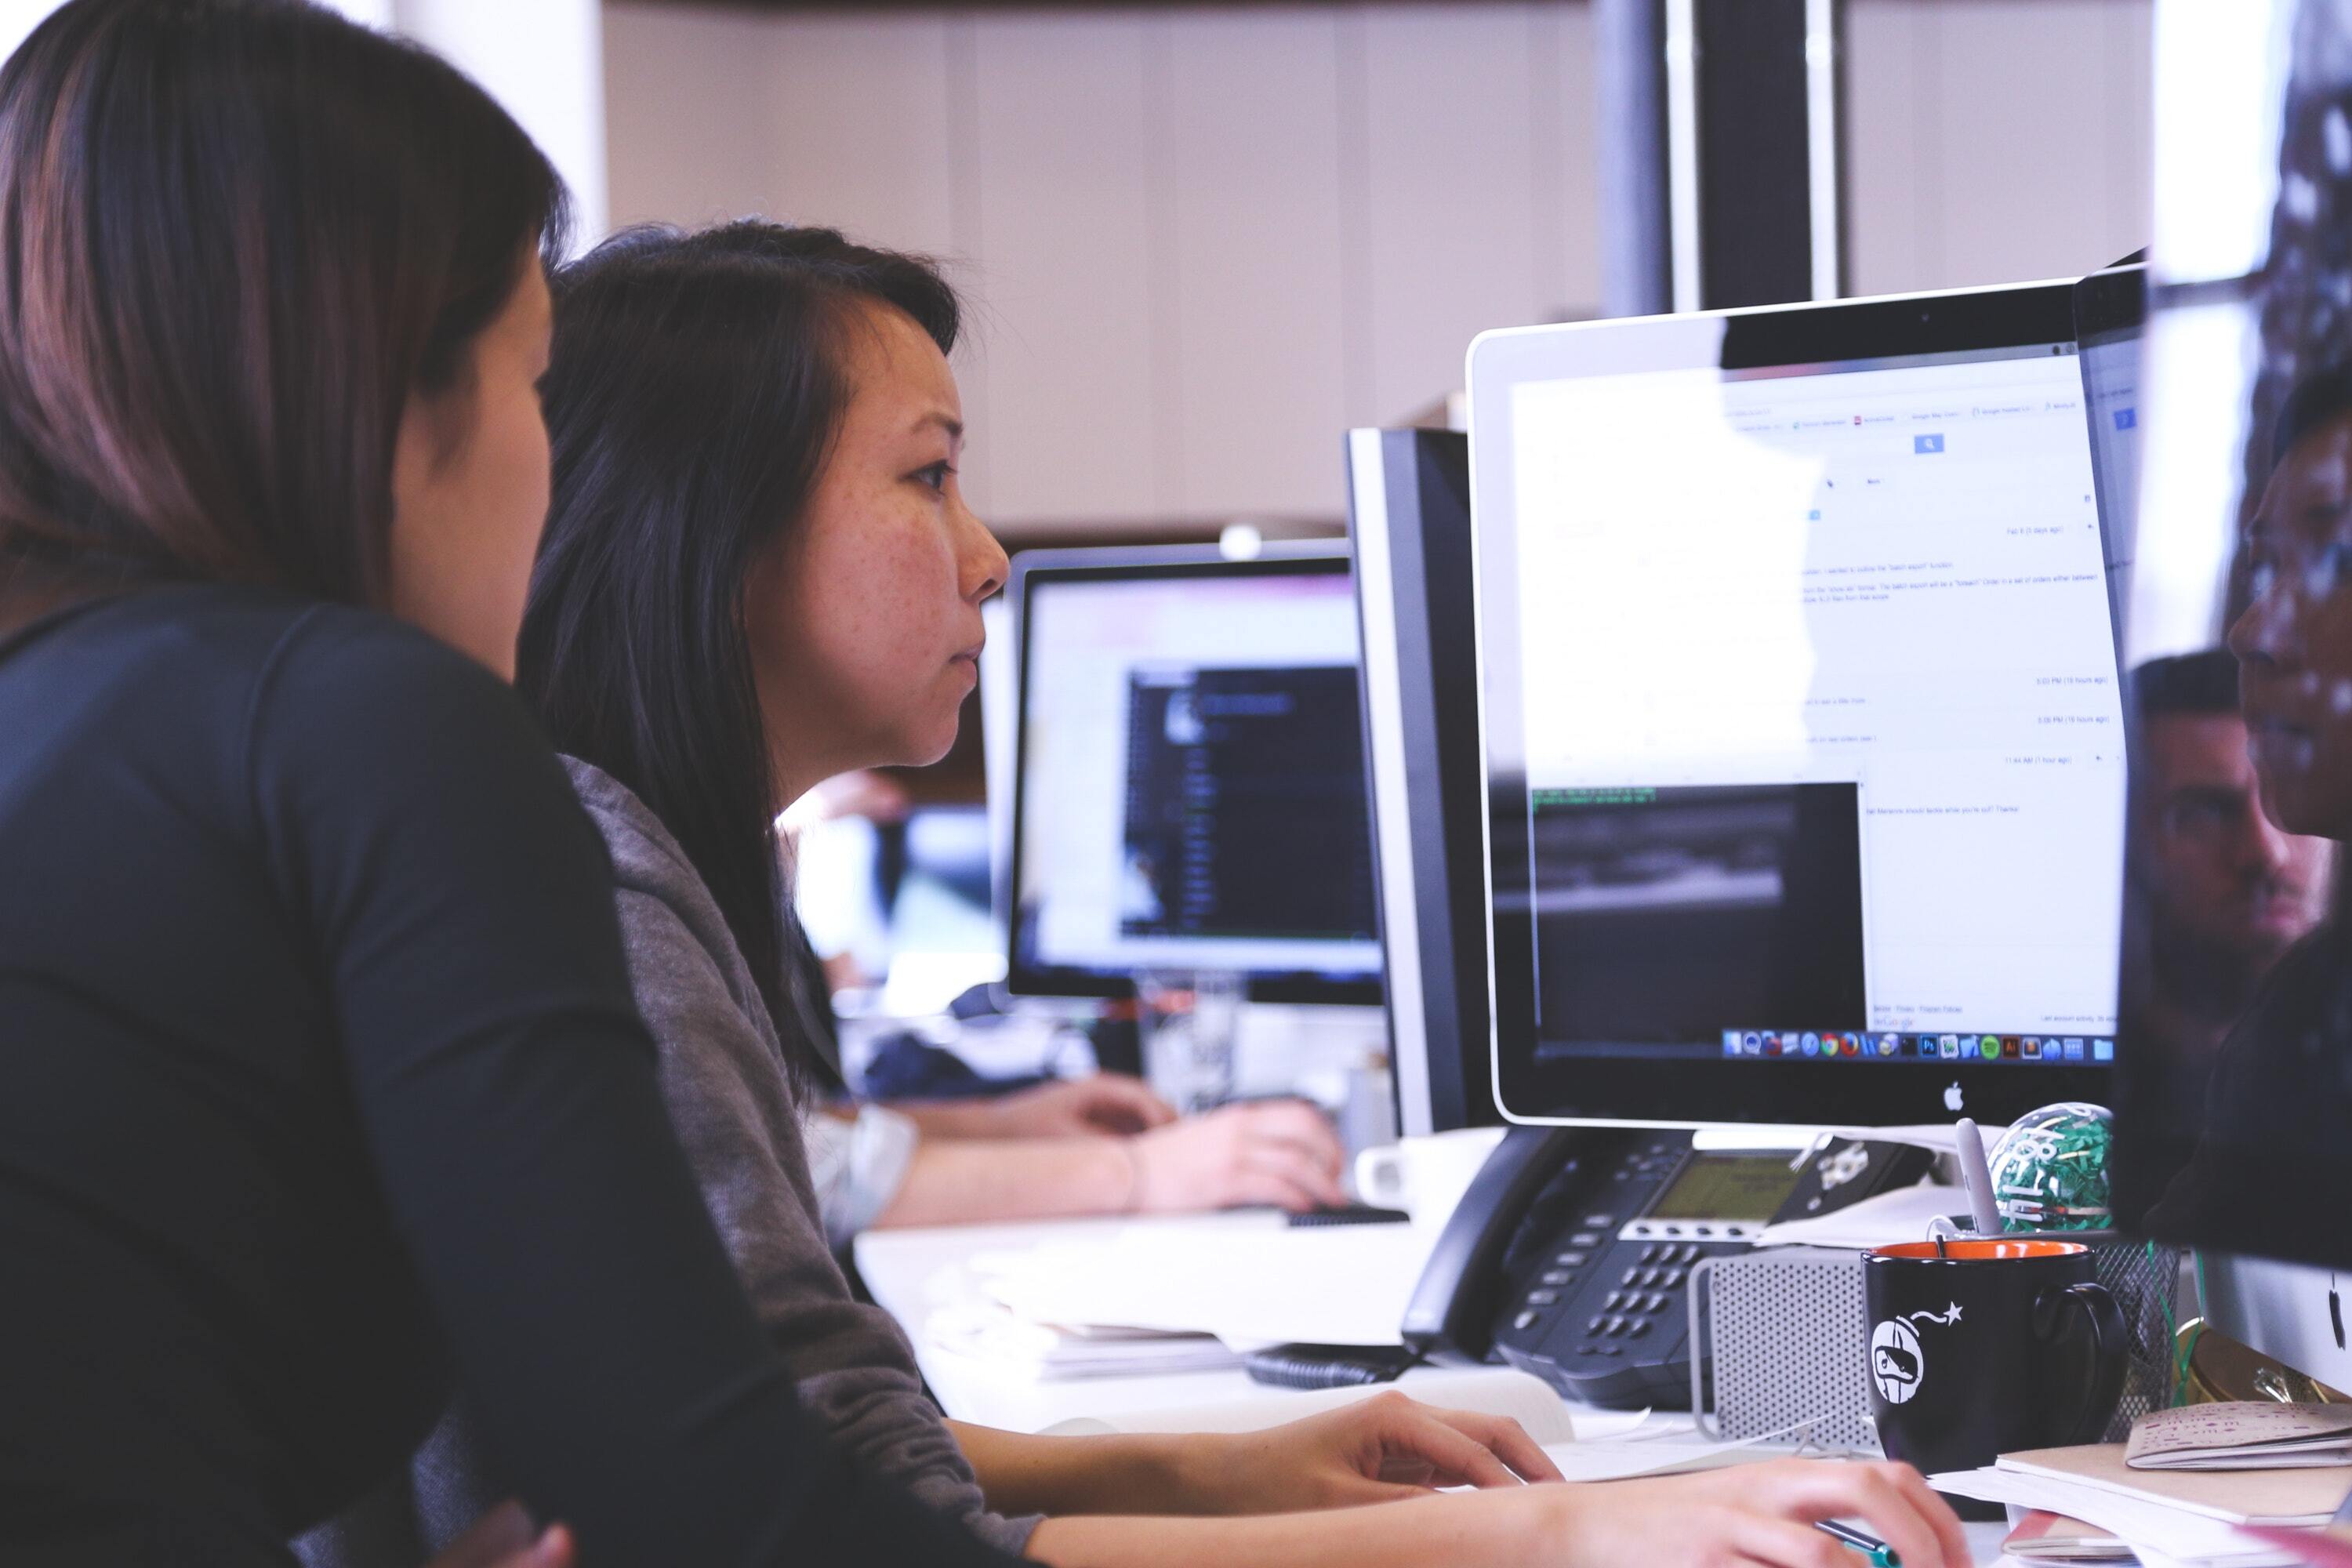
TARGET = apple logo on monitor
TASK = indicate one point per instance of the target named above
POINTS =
(1952, 1100)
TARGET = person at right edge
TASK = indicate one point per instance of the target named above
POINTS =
(322, 1087)
(2282, 1081)
(2218, 892)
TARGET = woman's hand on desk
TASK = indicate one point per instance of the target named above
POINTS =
(1751, 1516)
(1279, 1151)
(1759, 1515)
(1380, 1450)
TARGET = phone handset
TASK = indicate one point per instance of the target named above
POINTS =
(1450, 1317)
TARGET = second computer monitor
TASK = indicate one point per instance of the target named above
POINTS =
(1805, 743)
(1190, 789)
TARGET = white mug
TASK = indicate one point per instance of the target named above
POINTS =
(1425, 1176)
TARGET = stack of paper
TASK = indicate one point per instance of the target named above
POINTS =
(2157, 1535)
(2282, 1497)
(989, 1333)
(2249, 1436)
(2045, 1537)
(2167, 1517)
(1345, 1285)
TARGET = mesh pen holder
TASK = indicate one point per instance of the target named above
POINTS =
(1777, 1337)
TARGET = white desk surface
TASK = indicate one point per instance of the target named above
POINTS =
(899, 1265)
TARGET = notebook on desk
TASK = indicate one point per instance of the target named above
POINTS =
(2273, 1497)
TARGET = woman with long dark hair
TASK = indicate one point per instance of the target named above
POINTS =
(321, 1081)
(760, 571)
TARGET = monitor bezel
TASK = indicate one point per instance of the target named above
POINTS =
(1035, 568)
(1682, 1091)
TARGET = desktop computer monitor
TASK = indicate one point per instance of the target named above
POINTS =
(1189, 782)
(2234, 1109)
(1803, 739)
(1409, 524)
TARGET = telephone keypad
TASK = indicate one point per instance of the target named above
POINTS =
(1628, 1274)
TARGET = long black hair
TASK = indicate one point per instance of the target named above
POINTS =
(236, 238)
(696, 384)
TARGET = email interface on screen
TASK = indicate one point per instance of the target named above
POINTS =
(1823, 734)
(1192, 789)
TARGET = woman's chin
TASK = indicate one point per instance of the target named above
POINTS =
(932, 745)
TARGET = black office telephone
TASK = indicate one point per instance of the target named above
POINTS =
(1569, 1254)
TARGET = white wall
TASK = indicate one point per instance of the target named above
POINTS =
(1995, 140)
(1204, 241)
(543, 59)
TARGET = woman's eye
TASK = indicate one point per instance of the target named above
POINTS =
(936, 475)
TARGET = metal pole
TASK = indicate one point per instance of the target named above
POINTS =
(1630, 103)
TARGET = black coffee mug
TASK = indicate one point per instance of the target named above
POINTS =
(1983, 1348)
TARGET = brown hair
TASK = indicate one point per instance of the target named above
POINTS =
(236, 236)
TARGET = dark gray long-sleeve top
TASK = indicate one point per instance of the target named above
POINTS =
(739, 1118)
(722, 1072)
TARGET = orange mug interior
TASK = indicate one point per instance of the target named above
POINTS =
(1978, 1251)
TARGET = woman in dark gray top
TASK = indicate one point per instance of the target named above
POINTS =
(759, 572)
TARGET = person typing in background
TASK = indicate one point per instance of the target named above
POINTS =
(1100, 1144)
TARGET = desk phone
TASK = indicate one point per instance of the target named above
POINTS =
(1570, 1253)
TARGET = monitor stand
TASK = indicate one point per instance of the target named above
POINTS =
(2291, 1313)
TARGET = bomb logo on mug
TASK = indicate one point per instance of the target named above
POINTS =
(1897, 1360)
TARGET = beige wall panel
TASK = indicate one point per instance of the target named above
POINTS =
(1254, 394)
(2027, 129)
(2131, 125)
(1065, 267)
(1572, 131)
(686, 94)
(858, 115)
(1448, 118)
(1892, 148)
(1994, 140)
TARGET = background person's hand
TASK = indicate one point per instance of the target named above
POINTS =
(1759, 1515)
(1082, 1107)
(1380, 1450)
(1279, 1152)
(503, 1538)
